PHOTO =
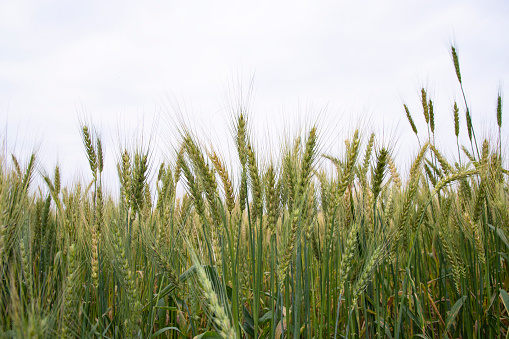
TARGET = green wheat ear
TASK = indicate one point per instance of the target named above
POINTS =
(410, 120)
(367, 155)
(227, 184)
(57, 180)
(272, 199)
(100, 157)
(378, 175)
(16, 165)
(431, 116)
(425, 107)
(456, 63)
(499, 110)
(456, 120)
(89, 147)
(469, 124)
(256, 185)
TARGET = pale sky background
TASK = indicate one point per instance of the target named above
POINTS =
(125, 65)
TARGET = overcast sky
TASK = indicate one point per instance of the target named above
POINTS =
(124, 64)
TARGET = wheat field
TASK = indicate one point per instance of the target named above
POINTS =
(281, 249)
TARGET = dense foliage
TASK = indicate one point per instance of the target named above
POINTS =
(277, 249)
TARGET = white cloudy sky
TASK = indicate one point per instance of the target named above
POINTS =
(125, 63)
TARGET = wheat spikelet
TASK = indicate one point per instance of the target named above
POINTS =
(367, 155)
(447, 239)
(431, 116)
(414, 170)
(469, 156)
(201, 167)
(147, 202)
(289, 248)
(243, 191)
(452, 177)
(124, 174)
(347, 256)
(289, 178)
(375, 258)
(163, 262)
(499, 110)
(368, 212)
(241, 139)
(215, 233)
(100, 157)
(304, 181)
(410, 120)
(347, 209)
(469, 124)
(69, 296)
(95, 255)
(409, 195)
(394, 172)
(220, 317)
(477, 235)
(161, 172)
(389, 207)
(378, 175)
(309, 214)
(42, 218)
(307, 161)
(495, 169)
(337, 163)
(425, 107)
(27, 178)
(138, 181)
(324, 195)
(456, 63)
(484, 163)
(315, 245)
(446, 167)
(56, 180)
(430, 175)
(3, 231)
(272, 200)
(256, 186)
(194, 190)
(178, 169)
(132, 324)
(25, 266)
(227, 184)
(99, 209)
(89, 148)
(456, 120)
(16, 165)
(348, 169)
(483, 184)
(332, 211)
(504, 214)
(165, 176)
(128, 279)
(423, 213)
(479, 202)
(455, 232)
